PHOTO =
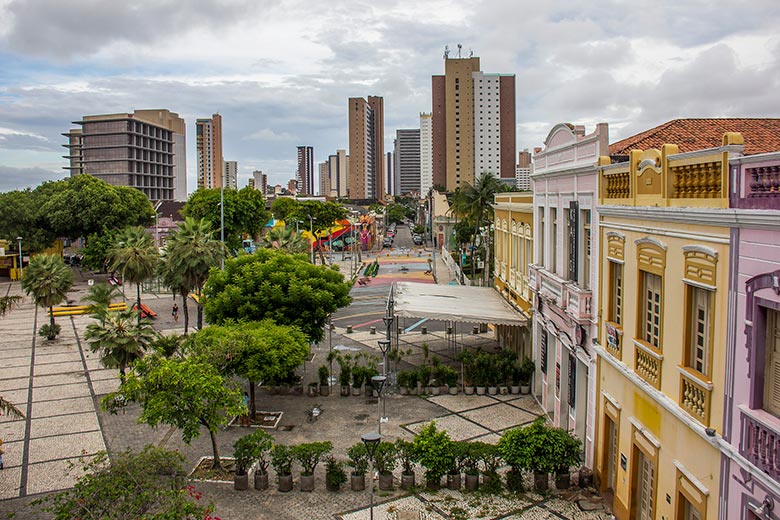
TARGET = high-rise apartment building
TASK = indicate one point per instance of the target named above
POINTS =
(523, 171)
(231, 174)
(366, 148)
(473, 123)
(144, 150)
(392, 174)
(209, 147)
(305, 174)
(338, 174)
(407, 160)
(260, 181)
(426, 153)
(324, 179)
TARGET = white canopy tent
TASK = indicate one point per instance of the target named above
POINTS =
(453, 303)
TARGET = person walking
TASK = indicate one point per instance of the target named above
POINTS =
(1, 455)
(245, 417)
(175, 312)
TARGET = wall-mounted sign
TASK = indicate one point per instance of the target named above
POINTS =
(557, 379)
(613, 337)
(574, 233)
(623, 461)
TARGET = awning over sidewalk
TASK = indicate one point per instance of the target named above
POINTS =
(453, 303)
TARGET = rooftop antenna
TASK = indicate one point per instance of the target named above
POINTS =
(459, 48)
(446, 52)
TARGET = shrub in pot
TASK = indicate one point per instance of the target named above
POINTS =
(466, 358)
(385, 461)
(403, 382)
(324, 374)
(308, 455)
(282, 461)
(491, 460)
(483, 368)
(335, 475)
(358, 376)
(424, 375)
(530, 449)
(251, 449)
(345, 374)
(450, 376)
(566, 454)
(434, 453)
(414, 382)
(358, 461)
(243, 457)
(408, 458)
(458, 452)
(471, 456)
(526, 371)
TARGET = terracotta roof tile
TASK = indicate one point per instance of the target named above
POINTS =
(761, 135)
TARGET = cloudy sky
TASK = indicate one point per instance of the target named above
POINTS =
(280, 71)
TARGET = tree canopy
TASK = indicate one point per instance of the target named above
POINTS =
(245, 212)
(75, 207)
(272, 284)
(47, 279)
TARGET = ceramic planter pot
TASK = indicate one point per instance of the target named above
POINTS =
(324, 390)
(307, 483)
(503, 390)
(355, 391)
(453, 390)
(261, 481)
(468, 390)
(563, 480)
(344, 390)
(332, 487)
(285, 483)
(404, 390)
(453, 481)
(525, 389)
(481, 390)
(486, 480)
(586, 477)
(357, 482)
(433, 484)
(312, 391)
(472, 482)
(433, 390)
(492, 390)
(407, 480)
(514, 389)
(541, 481)
(386, 481)
(241, 482)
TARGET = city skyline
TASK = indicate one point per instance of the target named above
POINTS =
(643, 65)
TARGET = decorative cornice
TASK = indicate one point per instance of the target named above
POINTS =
(575, 171)
(701, 249)
(737, 218)
(650, 241)
(757, 158)
(730, 148)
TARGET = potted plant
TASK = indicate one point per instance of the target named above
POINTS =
(308, 455)
(527, 369)
(566, 454)
(466, 358)
(530, 448)
(471, 455)
(492, 373)
(457, 454)
(358, 460)
(403, 382)
(408, 457)
(345, 374)
(335, 475)
(414, 382)
(424, 374)
(482, 369)
(491, 460)
(324, 374)
(505, 362)
(385, 461)
(451, 380)
(514, 388)
(312, 389)
(358, 374)
(433, 452)
(243, 455)
(282, 461)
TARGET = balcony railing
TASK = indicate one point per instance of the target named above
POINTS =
(578, 302)
(647, 363)
(533, 277)
(760, 442)
(551, 288)
(764, 181)
(697, 181)
(618, 185)
(695, 396)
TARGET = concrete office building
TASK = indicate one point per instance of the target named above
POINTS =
(392, 173)
(144, 150)
(407, 160)
(305, 173)
(324, 179)
(523, 171)
(209, 149)
(231, 174)
(366, 148)
(338, 173)
(473, 123)
(426, 153)
(259, 181)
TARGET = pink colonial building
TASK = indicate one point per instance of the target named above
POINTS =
(563, 276)
(750, 476)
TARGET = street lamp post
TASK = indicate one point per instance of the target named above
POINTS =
(19, 239)
(378, 382)
(371, 441)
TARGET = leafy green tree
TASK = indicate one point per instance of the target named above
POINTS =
(121, 339)
(283, 207)
(148, 484)
(396, 213)
(135, 256)
(245, 213)
(186, 393)
(23, 216)
(285, 238)
(256, 351)
(97, 251)
(47, 279)
(272, 284)
(434, 451)
(190, 252)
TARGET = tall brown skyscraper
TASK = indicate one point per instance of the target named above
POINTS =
(473, 123)
(209, 147)
(366, 179)
(305, 174)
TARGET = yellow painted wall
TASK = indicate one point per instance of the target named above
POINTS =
(509, 208)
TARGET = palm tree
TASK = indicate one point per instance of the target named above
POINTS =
(473, 203)
(286, 239)
(135, 256)
(7, 408)
(48, 280)
(100, 296)
(7, 303)
(121, 339)
(189, 254)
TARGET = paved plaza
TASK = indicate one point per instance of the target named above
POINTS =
(59, 385)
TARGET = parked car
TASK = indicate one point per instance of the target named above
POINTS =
(387, 242)
(418, 240)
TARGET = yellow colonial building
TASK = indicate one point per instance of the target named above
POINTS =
(662, 342)
(513, 248)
